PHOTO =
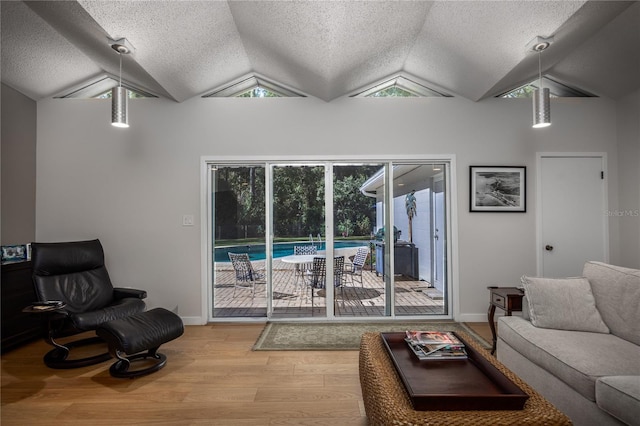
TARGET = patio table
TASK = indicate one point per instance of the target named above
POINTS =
(300, 259)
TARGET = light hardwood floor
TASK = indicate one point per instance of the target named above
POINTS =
(211, 378)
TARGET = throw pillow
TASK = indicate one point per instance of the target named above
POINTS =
(563, 304)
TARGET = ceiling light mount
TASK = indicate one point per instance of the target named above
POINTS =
(539, 44)
(121, 45)
(121, 49)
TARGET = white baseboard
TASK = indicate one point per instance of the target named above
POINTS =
(461, 318)
(474, 317)
(192, 321)
(483, 317)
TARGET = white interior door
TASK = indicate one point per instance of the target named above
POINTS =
(572, 206)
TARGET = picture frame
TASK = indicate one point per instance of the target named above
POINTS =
(14, 253)
(498, 189)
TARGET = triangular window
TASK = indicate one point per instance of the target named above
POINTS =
(394, 91)
(556, 90)
(132, 94)
(101, 89)
(252, 87)
(258, 92)
(399, 87)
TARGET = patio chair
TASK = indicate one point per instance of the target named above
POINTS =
(319, 272)
(246, 276)
(357, 265)
(303, 269)
(305, 249)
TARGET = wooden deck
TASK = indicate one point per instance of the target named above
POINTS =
(292, 298)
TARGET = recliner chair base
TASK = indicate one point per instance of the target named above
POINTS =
(57, 357)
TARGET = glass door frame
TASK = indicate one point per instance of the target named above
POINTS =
(206, 223)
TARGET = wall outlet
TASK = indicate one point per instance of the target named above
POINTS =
(187, 220)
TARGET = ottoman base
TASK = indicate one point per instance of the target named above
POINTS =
(121, 367)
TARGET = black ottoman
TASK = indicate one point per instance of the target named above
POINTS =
(145, 331)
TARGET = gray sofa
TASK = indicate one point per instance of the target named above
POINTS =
(578, 343)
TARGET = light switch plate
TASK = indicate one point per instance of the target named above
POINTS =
(187, 220)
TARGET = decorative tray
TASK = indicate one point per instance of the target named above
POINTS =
(466, 384)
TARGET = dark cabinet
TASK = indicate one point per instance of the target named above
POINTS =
(17, 293)
(405, 260)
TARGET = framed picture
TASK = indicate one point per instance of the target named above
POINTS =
(14, 253)
(498, 189)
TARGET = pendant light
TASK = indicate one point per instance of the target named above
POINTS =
(120, 95)
(541, 104)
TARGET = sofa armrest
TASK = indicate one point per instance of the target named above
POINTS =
(121, 293)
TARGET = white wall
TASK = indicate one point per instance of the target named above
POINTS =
(18, 167)
(421, 226)
(626, 215)
(422, 236)
(131, 187)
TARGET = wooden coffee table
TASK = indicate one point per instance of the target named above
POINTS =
(387, 402)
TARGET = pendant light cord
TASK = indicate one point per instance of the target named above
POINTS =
(540, 67)
(120, 80)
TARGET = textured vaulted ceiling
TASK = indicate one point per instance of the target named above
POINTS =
(326, 49)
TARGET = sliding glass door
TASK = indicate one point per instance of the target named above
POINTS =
(298, 245)
(420, 244)
(412, 257)
(320, 240)
(238, 234)
(361, 292)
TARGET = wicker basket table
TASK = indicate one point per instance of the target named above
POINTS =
(386, 401)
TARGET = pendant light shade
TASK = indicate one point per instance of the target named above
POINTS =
(541, 104)
(119, 104)
(120, 95)
(541, 108)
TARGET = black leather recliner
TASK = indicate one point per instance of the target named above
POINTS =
(74, 274)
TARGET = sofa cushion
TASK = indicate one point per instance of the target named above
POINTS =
(563, 304)
(578, 358)
(620, 397)
(617, 294)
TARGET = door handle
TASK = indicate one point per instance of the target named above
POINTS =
(548, 247)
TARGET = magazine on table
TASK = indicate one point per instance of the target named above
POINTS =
(435, 345)
(434, 337)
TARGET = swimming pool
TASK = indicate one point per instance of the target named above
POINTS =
(257, 251)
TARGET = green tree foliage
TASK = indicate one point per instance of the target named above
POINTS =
(258, 92)
(394, 92)
(298, 201)
(521, 92)
(354, 212)
(130, 94)
(240, 208)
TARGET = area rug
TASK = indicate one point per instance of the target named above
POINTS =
(286, 336)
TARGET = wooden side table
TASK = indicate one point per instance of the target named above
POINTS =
(509, 299)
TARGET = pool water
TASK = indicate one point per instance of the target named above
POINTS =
(257, 251)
